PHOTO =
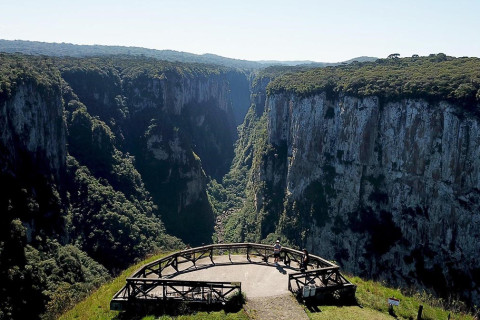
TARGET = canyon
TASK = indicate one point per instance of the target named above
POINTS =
(121, 156)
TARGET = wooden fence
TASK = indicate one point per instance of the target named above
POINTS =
(153, 281)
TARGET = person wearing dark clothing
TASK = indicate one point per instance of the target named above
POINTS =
(305, 260)
(277, 248)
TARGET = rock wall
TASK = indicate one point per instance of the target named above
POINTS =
(32, 158)
(32, 131)
(32, 165)
(389, 191)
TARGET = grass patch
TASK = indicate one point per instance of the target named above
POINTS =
(372, 296)
(218, 315)
(349, 312)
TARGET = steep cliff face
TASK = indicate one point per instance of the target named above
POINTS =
(32, 163)
(33, 153)
(199, 108)
(191, 120)
(32, 123)
(389, 190)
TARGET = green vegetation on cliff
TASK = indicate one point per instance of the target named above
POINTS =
(146, 110)
(266, 212)
(131, 67)
(436, 77)
(243, 225)
(135, 166)
(18, 69)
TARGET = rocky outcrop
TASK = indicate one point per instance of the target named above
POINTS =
(199, 108)
(389, 190)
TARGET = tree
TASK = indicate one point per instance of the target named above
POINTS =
(393, 56)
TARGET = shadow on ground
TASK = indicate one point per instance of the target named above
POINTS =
(281, 269)
(315, 304)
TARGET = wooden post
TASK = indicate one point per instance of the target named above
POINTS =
(390, 310)
(419, 315)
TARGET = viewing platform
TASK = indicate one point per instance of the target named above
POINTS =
(214, 273)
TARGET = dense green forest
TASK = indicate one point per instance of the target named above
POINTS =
(74, 50)
(435, 77)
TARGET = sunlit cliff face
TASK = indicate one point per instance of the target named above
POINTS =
(380, 188)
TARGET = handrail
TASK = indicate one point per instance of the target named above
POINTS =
(312, 272)
(316, 262)
(186, 290)
(322, 277)
(141, 282)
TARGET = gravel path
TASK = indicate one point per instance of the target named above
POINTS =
(282, 307)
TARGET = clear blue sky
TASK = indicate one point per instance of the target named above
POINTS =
(320, 30)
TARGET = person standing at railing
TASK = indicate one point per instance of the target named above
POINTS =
(305, 260)
(188, 255)
(277, 248)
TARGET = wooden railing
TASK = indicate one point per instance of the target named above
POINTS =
(153, 281)
(142, 289)
(192, 256)
(322, 278)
